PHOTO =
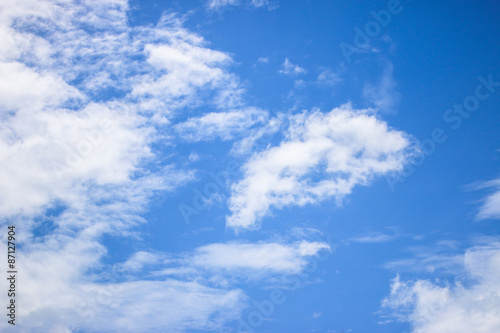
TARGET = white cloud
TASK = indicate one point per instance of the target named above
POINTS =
(141, 259)
(51, 152)
(193, 157)
(169, 305)
(58, 295)
(220, 124)
(258, 257)
(328, 77)
(317, 315)
(63, 132)
(288, 68)
(375, 237)
(46, 89)
(490, 209)
(441, 258)
(261, 3)
(218, 4)
(384, 94)
(183, 68)
(253, 135)
(263, 60)
(83, 99)
(474, 307)
(346, 147)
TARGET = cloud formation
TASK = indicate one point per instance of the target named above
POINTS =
(84, 97)
(346, 147)
(471, 306)
(219, 4)
(384, 95)
(260, 257)
(490, 209)
(288, 68)
(224, 125)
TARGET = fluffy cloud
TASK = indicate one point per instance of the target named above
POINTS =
(51, 152)
(346, 147)
(471, 307)
(99, 91)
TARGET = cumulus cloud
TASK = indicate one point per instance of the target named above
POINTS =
(471, 306)
(346, 147)
(50, 152)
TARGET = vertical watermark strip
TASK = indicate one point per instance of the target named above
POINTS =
(11, 274)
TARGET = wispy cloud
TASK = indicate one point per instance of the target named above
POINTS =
(375, 237)
(383, 94)
(440, 258)
(436, 307)
(215, 4)
(263, 60)
(328, 77)
(231, 260)
(288, 68)
(224, 125)
(490, 209)
(219, 4)
(259, 257)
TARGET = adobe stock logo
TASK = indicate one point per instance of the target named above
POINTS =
(372, 29)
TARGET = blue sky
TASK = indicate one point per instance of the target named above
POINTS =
(251, 165)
